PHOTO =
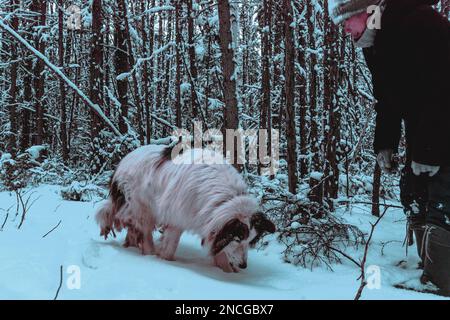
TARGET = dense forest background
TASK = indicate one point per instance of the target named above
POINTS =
(138, 69)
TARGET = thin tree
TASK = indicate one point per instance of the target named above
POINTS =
(12, 142)
(38, 74)
(290, 95)
(230, 114)
(62, 88)
(96, 65)
(121, 64)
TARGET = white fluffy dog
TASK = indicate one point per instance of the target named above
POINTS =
(197, 191)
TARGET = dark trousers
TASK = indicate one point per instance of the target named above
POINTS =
(426, 200)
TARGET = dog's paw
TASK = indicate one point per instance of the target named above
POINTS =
(148, 249)
(166, 256)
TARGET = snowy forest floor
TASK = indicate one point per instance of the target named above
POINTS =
(30, 263)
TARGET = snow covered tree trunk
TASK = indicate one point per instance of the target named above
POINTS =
(25, 138)
(302, 91)
(96, 66)
(12, 141)
(192, 59)
(316, 185)
(230, 116)
(178, 41)
(132, 63)
(330, 108)
(291, 134)
(62, 88)
(121, 64)
(266, 49)
(278, 92)
(39, 76)
(146, 66)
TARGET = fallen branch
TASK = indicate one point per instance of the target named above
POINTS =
(52, 229)
(347, 202)
(60, 75)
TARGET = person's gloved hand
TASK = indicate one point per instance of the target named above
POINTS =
(419, 168)
(385, 160)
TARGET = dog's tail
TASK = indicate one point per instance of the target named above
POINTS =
(167, 154)
(106, 215)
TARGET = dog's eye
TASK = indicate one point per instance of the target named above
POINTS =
(237, 239)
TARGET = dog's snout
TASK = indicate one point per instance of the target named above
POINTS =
(243, 265)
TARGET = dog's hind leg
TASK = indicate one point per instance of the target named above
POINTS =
(105, 219)
(169, 243)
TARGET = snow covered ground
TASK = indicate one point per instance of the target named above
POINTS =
(30, 264)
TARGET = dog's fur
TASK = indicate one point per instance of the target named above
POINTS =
(150, 190)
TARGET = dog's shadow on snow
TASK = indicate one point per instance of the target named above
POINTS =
(194, 258)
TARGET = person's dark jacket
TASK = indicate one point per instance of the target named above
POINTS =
(410, 64)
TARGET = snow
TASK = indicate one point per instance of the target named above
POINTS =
(316, 176)
(30, 263)
(35, 151)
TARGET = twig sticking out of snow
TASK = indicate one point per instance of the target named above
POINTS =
(52, 229)
(25, 205)
(60, 282)
(366, 251)
(6, 217)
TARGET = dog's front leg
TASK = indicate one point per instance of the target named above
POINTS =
(134, 238)
(148, 247)
(169, 243)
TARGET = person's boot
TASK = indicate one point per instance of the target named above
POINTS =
(436, 255)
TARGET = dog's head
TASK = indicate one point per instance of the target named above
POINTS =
(229, 246)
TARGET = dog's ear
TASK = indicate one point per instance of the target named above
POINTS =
(261, 224)
(232, 230)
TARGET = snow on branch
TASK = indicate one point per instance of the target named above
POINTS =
(61, 75)
(125, 75)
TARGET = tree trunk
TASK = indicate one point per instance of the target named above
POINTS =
(330, 109)
(39, 77)
(316, 194)
(96, 67)
(301, 80)
(62, 88)
(178, 39)
(12, 141)
(230, 116)
(192, 59)
(376, 191)
(121, 64)
(266, 102)
(290, 95)
(145, 74)
(27, 83)
(131, 63)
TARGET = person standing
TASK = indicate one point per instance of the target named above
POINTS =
(409, 58)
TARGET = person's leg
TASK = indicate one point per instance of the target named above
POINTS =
(437, 236)
(414, 198)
